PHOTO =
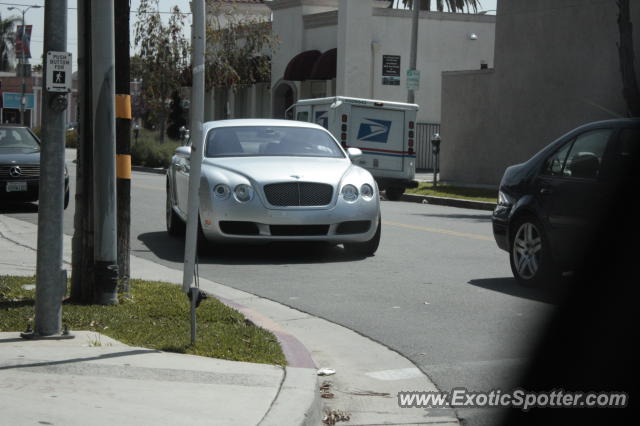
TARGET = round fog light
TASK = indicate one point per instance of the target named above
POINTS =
(221, 191)
(367, 191)
(350, 193)
(243, 193)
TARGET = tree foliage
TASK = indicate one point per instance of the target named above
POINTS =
(162, 56)
(238, 47)
(7, 42)
(451, 5)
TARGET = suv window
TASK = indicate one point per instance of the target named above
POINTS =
(585, 157)
(629, 138)
(580, 158)
(555, 163)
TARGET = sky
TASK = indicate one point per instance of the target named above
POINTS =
(35, 17)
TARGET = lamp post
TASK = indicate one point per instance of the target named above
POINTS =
(23, 60)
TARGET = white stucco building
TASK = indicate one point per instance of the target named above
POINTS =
(360, 48)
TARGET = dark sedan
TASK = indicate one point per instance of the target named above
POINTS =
(548, 206)
(20, 165)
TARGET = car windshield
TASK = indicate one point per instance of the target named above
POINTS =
(18, 138)
(271, 141)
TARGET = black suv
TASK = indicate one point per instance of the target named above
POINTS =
(548, 206)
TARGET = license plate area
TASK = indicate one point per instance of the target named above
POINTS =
(16, 186)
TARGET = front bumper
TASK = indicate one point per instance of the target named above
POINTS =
(229, 220)
(31, 194)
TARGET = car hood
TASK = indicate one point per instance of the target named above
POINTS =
(19, 156)
(266, 170)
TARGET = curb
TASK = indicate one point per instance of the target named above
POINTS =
(298, 390)
(156, 170)
(299, 387)
(451, 202)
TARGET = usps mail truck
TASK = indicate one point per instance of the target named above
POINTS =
(384, 131)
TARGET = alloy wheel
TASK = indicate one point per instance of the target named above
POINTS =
(527, 250)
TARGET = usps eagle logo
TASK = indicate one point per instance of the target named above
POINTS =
(372, 130)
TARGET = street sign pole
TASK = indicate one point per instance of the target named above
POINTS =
(51, 278)
(197, 117)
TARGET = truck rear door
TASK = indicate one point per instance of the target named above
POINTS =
(379, 133)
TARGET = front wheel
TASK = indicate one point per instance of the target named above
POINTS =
(530, 257)
(368, 248)
(394, 193)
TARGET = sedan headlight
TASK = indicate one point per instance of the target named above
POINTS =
(504, 199)
(350, 193)
(221, 191)
(367, 191)
(243, 193)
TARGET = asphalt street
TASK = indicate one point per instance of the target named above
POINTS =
(438, 290)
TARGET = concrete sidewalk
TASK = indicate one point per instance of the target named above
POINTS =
(93, 379)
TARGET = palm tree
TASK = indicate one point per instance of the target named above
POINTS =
(452, 5)
(7, 42)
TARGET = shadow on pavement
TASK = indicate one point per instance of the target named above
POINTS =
(10, 207)
(511, 287)
(477, 217)
(172, 249)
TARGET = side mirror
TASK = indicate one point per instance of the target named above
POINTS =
(184, 151)
(354, 153)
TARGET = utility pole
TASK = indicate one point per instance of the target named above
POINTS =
(82, 277)
(104, 151)
(411, 97)
(197, 117)
(123, 141)
(51, 279)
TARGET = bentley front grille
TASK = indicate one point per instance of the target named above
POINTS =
(298, 194)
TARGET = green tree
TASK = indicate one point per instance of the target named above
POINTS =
(7, 42)
(162, 55)
(238, 47)
(451, 5)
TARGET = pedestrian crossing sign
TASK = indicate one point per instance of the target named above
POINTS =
(58, 70)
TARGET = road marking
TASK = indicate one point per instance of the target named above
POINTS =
(397, 374)
(439, 231)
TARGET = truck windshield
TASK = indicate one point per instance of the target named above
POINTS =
(271, 141)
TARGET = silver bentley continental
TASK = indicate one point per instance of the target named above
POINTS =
(276, 180)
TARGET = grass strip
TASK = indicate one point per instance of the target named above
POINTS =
(451, 191)
(153, 315)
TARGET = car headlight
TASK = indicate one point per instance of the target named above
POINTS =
(243, 193)
(367, 191)
(221, 191)
(504, 199)
(350, 193)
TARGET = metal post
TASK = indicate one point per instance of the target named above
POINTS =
(123, 141)
(197, 117)
(104, 153)
(51, 279)
(413, 59)
(82, 277)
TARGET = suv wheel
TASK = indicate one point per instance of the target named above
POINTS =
(530, 257)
